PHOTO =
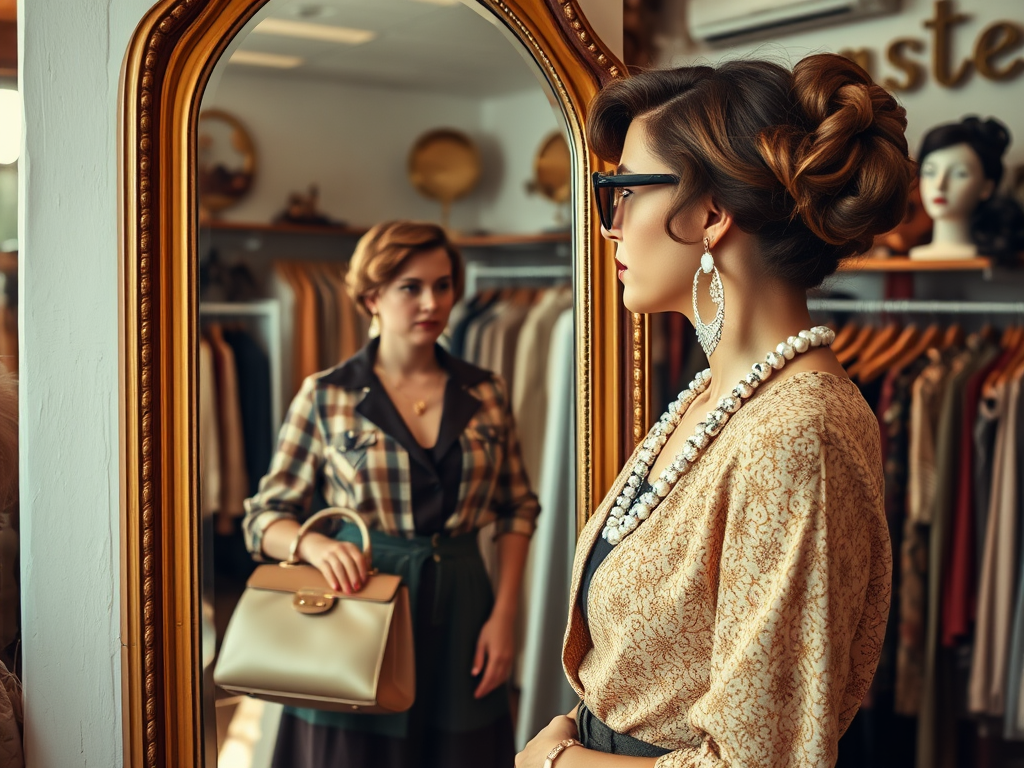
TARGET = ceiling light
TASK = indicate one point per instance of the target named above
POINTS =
(311, 11)
(10, 126)
(305, 29)
(257, 59)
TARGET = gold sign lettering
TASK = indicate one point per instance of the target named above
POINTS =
(992, 56)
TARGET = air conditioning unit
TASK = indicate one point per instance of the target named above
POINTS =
(724, 22)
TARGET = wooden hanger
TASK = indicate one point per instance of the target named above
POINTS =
(1011, 342)
(854, 347)
(954, 336)
(879, 343)
(883, 362)
(844, 336)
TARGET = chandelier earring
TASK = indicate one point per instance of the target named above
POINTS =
(374, 330)
(709, 334)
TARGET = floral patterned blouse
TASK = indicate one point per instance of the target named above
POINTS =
(740, 625)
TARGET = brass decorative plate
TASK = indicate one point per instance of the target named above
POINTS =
(444, 165)
(227, 161)
(552, 169)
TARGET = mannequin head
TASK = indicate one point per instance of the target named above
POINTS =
(961, 165)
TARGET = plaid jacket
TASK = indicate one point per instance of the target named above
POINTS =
(331, 440)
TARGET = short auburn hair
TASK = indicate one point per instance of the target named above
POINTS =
(813, 162)
(383, 252)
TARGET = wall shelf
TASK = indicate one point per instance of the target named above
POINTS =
(906, 264)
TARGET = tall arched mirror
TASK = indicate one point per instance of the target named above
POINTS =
(261, 141)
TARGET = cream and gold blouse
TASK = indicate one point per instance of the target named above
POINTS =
(740, 625)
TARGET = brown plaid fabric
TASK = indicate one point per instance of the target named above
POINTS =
(327, 441)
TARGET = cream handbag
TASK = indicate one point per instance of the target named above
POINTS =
(294, 640)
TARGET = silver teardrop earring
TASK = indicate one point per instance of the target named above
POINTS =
(709, 334)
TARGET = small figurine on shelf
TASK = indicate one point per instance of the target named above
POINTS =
(961, 165)
(301, 209)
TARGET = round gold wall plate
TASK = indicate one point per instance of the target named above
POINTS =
(226, 160)
(444, 165)
(552, 169)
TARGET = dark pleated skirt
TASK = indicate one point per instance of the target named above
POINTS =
(301, 744)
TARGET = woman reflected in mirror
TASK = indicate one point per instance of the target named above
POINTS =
(423, 446)
(730, 595)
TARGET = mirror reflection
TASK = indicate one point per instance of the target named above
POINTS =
(386, 327)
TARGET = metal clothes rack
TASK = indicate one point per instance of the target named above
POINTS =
(897, 306)
(476, 273)
(266, 319)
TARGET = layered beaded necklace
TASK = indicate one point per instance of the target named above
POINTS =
(629, 511)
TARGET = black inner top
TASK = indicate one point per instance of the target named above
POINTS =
(600, 551)
(435, 488)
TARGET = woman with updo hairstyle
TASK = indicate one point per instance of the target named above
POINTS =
(961, 165)
(730, 594)
(423, 447)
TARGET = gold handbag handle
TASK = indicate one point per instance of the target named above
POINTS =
(331, 512)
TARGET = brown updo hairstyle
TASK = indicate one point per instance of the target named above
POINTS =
(382, 253)
(812, 162)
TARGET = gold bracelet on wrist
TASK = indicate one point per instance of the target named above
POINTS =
(558, 749)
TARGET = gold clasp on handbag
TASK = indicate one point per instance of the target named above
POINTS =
(311, 602)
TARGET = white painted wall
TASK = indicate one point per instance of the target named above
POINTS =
(350, 140)
(69, 63)
(354, 141)
(932, 104)
(70, 58)
(513, 127)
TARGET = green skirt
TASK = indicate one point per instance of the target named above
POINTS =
(451, 599)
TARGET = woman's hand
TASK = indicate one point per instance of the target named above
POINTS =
(495, 649)
(536, 751)
(341, 562)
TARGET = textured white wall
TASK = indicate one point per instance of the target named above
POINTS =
(354, 143)
(932, 104)
(70, 59)
(69, 64)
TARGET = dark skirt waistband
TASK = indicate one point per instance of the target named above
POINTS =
(594, 734)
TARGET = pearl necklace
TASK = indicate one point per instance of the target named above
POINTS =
(629, 511)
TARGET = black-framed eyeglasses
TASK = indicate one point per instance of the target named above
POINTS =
(608, 190)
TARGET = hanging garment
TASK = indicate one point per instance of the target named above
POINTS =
(505, 340)
(234, 477)
(925, 402)
(936, 726)
(1013, 723)
(545, 691)
(987, 691)
(209, 433)
(252, 368)
(530, 392)
(328, 341)
(281, 288)
(959, 590)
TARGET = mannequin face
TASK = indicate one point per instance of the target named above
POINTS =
(416, 304)
(953, 182)
(655, 270)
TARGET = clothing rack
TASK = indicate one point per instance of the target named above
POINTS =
(896, 306)
(475, 273)
(266, 315)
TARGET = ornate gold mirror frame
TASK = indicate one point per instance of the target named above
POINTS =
(169, 61)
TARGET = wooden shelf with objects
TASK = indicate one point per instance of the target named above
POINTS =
(906, 264)
(467, 241)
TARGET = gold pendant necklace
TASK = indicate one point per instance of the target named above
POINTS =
(420, 406)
